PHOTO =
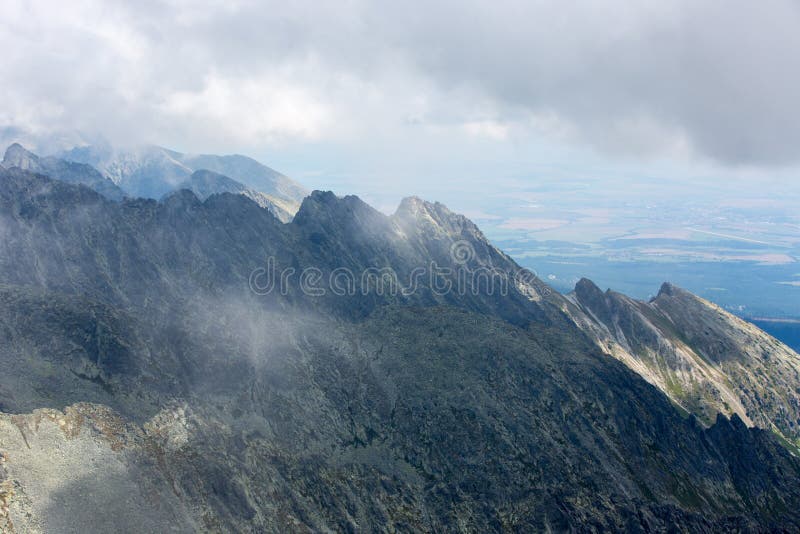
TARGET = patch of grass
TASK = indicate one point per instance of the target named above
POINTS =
(788, 445)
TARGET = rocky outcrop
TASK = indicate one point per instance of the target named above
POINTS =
(88, 470)
(205, 183)
(705, 359)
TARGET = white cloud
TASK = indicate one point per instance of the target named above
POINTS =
(710, 78)
(251, 111)
(487, 128)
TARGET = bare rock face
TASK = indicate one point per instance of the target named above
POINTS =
(147, 387)
(85, 470)
(364, 427)
(705, 359)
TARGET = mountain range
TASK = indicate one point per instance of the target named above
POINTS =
(398, 373)
(152, 172)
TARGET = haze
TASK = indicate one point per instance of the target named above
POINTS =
(583, 123)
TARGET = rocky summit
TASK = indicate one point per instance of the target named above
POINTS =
(195, 363)
(703, 358)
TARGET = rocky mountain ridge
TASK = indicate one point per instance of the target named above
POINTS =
(204, 183)
(705, 359)
(141, 362)
(152, 172)
(17, 156)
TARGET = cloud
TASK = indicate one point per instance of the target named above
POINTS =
(487, 128)
(250, 110)
(714, 75)
(710, 79)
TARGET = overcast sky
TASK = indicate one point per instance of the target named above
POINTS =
(414, 94)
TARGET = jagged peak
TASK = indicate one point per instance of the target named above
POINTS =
(316, 200)
(16, 155)
(590, 296)
(322, 205)
(317, 195)
(738, 422)
(14, 147)
(666, 289)
(669, 289)
(735, 422)
(416, 207)
(588, 292)
(181, 197)
(411, 205)
(414, 211)
(586, 285)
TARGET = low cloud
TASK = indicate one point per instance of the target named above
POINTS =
(711, 79)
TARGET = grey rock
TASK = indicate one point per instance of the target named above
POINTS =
(705, 359)
(214, 408)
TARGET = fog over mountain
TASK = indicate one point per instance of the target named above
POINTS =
(152, 172)
(202, 365)
(586, 124)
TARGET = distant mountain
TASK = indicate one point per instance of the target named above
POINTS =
(204, 183)
(67, 171)
(251, 173)
(145, 172)
(705, 359)
(152, 172)
(154, 380)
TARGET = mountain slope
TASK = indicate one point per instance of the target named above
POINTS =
(165, 250)
(704, 358)
(67, 171)
(251, 173)
(146, 172)
(466, 424)
(152, 172)
(205, 183)
(219, 405)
